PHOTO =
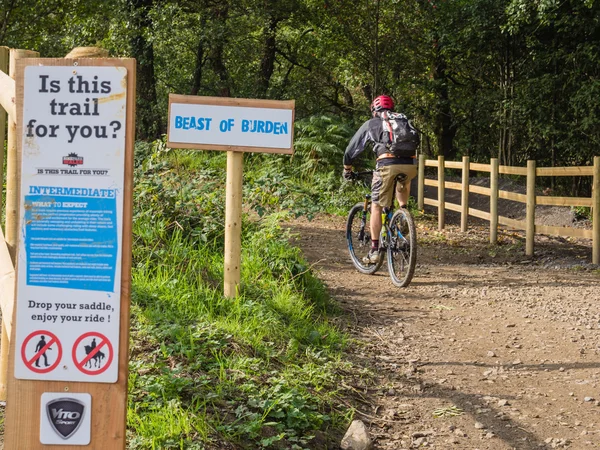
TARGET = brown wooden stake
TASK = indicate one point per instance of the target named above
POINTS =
(233, 223)
(4, 56)
(12, 165)
(4, 347)
(441, 198)
(464, 196)
(421, 183)
(7, 300)
(494, 201)
(4, 342)
(530, 209)
(596, 212)
(87, 52)
(12, 208)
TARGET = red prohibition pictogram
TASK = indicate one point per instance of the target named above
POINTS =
(90, 359)
(39, 352)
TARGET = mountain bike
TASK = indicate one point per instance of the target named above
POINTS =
(398, 238)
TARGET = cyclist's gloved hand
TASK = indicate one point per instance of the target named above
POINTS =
(348, 174)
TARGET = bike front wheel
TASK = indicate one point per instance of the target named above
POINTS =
(358, 237)
(402, 248)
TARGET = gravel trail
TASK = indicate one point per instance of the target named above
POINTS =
(486, 349)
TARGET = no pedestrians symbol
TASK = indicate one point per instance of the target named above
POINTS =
(92, 353)
(41, 351)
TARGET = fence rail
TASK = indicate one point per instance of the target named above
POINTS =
(530, 199)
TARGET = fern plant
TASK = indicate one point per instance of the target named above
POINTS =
(320, 143)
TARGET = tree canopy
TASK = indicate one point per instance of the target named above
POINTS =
(512, 79)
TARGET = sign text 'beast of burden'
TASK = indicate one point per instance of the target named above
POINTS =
(219, 123)
(72, 186)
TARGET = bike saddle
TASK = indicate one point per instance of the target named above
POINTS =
(401, 177)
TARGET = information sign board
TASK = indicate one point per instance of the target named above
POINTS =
(71, 233)
(218, 123)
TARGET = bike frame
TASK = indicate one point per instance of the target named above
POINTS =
(388, 236)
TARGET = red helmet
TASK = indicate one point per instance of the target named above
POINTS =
(382, 102)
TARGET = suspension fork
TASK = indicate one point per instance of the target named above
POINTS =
(386, 217)
(363, 219)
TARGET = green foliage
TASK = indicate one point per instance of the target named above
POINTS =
(259, 370)
(581, 212)
(319, 144)
(171, 201)
(310, 181)
(512, 79)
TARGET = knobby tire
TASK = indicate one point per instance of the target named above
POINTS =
(402, 248)
(359, 245)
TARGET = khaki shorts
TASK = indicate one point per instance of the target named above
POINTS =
(383, 182)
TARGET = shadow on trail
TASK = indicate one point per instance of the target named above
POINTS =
(521, 367)
(495, 421)
(527, 281)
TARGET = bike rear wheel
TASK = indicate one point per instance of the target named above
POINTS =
(402, 248)
(358, 237)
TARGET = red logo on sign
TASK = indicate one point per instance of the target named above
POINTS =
(73, 160)
(88, 355)
(36, 358)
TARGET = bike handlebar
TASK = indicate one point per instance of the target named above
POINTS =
(357, 175)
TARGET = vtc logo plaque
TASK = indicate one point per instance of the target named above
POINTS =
(65, 419)
(65, 415)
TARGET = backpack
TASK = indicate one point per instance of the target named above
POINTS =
(402, 138)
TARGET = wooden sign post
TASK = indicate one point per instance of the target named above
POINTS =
(7, 272)
(8, 58)
(234, 125)
(68, 369)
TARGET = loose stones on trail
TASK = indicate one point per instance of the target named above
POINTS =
(357, 437)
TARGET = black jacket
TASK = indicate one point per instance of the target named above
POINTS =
(370, 131)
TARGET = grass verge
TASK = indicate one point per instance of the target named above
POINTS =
(258, 371)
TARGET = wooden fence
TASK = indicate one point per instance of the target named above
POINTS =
(530, 199)
(8, 239)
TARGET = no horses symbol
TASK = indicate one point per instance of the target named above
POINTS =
(92, 353)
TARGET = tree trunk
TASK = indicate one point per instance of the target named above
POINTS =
(221, 14)
(148, 122)
(197, 80)
(553, 113)
(445, 128)
(368, 92)
(267, 65)
(504, 76)
(7, 11)
(376, 86)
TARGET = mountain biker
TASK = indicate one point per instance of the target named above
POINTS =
(395, 155)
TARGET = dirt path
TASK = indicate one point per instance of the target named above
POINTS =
(508, 344)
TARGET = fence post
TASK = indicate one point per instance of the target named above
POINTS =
(441, 192)
(12, 209)
(421, 184)
(4, 340)
(596, 212)
(233, 223)
(12, 165)
(530, 218)
(4, 55)
(493, 200)
(464, 195)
